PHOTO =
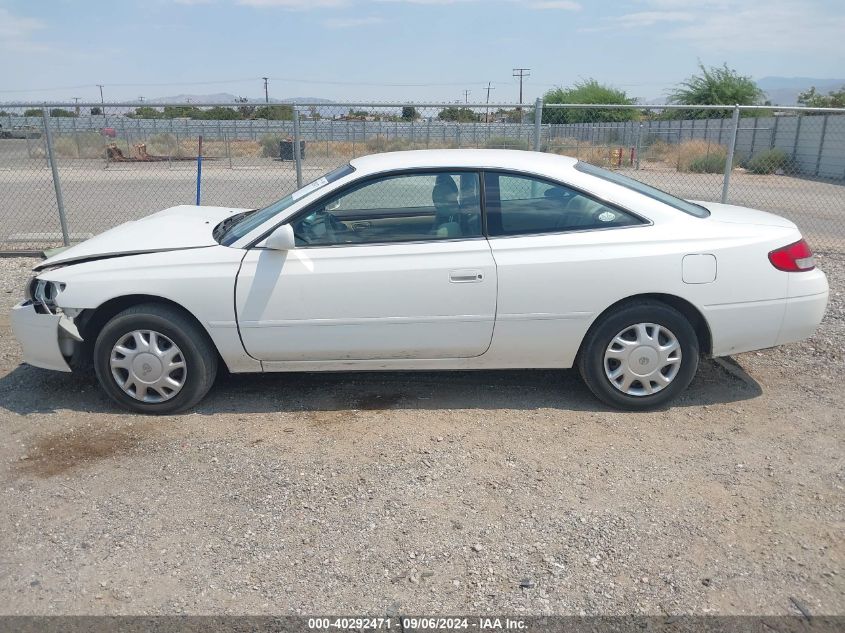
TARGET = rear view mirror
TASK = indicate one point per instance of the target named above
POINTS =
(281, 239)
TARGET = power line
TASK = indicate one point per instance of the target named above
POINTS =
(487, 109)
(521, 73)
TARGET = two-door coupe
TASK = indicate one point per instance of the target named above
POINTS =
(440, 259)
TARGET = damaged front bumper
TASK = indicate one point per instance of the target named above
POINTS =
(48, 340)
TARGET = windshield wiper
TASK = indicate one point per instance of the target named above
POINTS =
(221, 229)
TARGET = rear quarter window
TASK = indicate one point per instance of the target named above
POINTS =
(616, 178)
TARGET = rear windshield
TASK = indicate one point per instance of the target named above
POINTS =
(647, 190)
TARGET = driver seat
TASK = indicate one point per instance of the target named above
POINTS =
(446, 207)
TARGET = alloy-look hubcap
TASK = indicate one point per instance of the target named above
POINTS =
(148, 366)
(642, 359)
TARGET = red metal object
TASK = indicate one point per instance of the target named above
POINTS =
(109, 131)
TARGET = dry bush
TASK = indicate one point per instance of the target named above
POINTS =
(693, 155)
(659, 151)
(601, 155)
(81, 145)
(698, 155)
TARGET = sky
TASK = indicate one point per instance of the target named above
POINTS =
(401, 50)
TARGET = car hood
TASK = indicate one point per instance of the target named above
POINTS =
(743, 215)
(172, 229)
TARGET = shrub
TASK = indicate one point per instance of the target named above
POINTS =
(381, 144)
(164, 144)
(270, 145)
(81, 145)
(768, 162)
(708, 164)
(699, 156)
(658, 150)
(506, 142)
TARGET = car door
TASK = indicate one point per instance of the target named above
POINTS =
(560, 253)
(395, 267)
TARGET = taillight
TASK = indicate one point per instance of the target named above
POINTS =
(794, 258)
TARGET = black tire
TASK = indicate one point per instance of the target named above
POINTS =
(591, 356)
(199, 355)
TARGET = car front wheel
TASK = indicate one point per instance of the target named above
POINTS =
(640, 356)
(153, 358)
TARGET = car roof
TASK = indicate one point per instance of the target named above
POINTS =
(519, 160)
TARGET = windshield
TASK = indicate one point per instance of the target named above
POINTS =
(246, 222)
(647, 190)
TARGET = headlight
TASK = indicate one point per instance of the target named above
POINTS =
(30, 286)
(44, 293)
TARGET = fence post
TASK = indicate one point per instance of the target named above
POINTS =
(296, 154)
(639, 134)
(199, 171)
(821, 146)
(538, 119)
(57, 185)
(76, 138)
(729, 159)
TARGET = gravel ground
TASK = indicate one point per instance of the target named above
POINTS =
(487, 492)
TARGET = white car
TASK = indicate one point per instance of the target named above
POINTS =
(428, 260)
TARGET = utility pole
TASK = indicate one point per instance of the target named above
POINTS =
(266, 93)
(521, 73)
(487, 110)
(466, 95)
(76, 108)
(102, 103)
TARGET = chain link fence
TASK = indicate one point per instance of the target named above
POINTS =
(69, 173)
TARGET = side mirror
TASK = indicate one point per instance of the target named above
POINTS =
(281, 239)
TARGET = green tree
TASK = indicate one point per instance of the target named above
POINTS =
(715, 86)
(182, 112)
(274, 112)
(32, 112)
(145, 112)
(247, 111)
(59, 112)
(221, 113)
(511, 116)
(813, 99)
(96, 111)
(409, 113)
(453, 113)
(589, 91)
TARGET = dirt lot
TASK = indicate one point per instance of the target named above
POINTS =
(488, 492)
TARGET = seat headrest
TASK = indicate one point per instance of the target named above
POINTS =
(445, 188)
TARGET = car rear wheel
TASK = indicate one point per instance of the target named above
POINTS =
(640, 356)
(153, 358)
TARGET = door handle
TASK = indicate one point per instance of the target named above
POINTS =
(465, 276)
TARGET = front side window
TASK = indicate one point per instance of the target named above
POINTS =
(523, 205)
(234, 228)
(401, 208)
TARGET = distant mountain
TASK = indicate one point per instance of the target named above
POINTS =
(785, 90)
(225, 97)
